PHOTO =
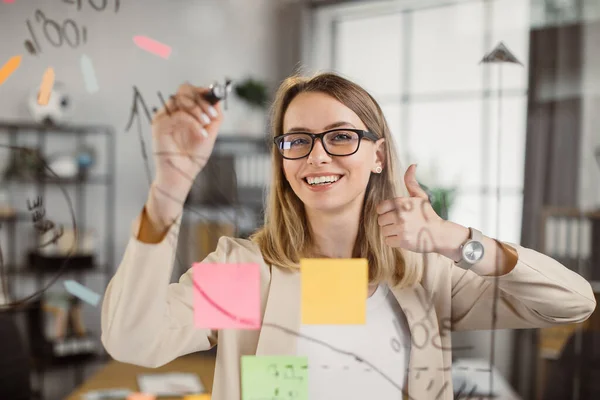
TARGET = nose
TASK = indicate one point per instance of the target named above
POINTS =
(318, 154)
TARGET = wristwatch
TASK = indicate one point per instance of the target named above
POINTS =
(472, 250)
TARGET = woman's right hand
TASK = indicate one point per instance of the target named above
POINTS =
(183, 138)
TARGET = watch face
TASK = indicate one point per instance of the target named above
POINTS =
(473, 251)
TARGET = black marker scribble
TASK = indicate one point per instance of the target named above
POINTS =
(442, 390)
(58, 33)
(55, 33)
(137, 98)
(22, 303)
(43, 225)
(92, 3)
(427, 304)
(339, 351)
(460, 390)
(430, 385)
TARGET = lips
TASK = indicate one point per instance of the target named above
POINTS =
(321, 187)
(315, 180)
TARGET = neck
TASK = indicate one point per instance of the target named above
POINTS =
(334, 233)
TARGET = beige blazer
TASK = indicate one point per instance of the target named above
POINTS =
(149, 322)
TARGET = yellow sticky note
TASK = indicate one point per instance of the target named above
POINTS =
(334, 291)
(204, 396)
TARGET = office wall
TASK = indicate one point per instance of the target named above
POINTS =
(210, 40)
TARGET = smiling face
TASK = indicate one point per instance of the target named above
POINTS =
(317, 112)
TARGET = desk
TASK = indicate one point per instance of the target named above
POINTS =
(120, 375)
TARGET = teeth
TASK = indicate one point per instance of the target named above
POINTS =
(322, 179)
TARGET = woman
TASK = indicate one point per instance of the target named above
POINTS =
(334, 195)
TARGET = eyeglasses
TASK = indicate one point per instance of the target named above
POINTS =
(336, 142)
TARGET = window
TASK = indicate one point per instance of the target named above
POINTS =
(421, 61)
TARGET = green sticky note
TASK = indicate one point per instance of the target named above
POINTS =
(274, 377)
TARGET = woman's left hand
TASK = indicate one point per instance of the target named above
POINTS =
(411, 222)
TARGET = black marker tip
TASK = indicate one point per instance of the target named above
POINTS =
(29, 47)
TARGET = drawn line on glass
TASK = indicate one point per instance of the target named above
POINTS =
(428, 309)
(343, 352)
(17, 304)
(222, 310)
(430, 385)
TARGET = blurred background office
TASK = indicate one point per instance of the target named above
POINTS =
(457, 117)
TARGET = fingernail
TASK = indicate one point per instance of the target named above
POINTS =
(204, 132)
(205, 119)
(213, 112)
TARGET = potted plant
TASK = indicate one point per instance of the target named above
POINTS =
(441, 199)
(253, 92)
(441, 196)
(255, 95)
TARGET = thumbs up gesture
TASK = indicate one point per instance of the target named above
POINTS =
(411, 222)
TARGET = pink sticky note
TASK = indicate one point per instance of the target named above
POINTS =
(152, 46)
(226, 296)
(9, 1)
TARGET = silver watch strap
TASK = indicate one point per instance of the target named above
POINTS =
(476, 235)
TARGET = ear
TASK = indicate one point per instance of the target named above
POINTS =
(380, 152)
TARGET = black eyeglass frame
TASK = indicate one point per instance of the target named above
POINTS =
(361, 134)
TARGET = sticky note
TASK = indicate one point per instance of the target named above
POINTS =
(334, 291)
(46, 87)
(152, 46)
(9, 67)
(226, 296)
(81, 292)
(267, 377)
(141, 396)
(89, 74)
(204, 396)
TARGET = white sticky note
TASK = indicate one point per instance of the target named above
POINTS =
(81, 292)
(89, 74)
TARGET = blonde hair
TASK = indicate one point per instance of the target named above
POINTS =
(284, 238)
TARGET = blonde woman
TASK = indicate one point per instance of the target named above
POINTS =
(337, 192)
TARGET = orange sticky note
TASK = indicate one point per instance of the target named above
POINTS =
(141, 396)
(46, 87)
(334, 291)
(226, 296)
(204, 396)
(8, 68)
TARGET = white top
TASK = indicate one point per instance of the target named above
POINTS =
(383, 343)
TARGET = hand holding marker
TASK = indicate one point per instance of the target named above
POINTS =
(184, 132)
(212, 96)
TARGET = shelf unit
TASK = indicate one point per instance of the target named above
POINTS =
(227, 198)
(572, 237)
(18, 266)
